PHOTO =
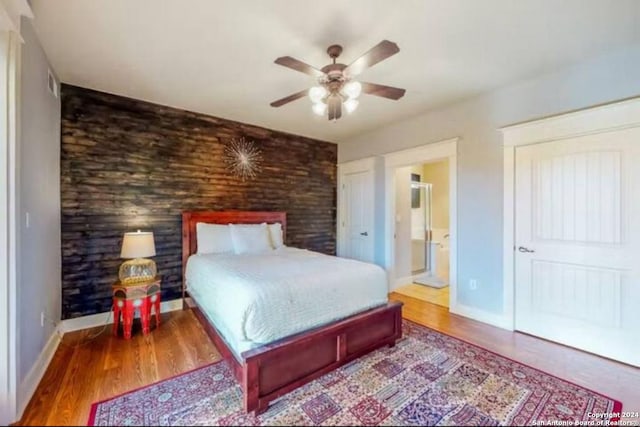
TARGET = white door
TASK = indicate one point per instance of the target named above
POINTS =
(578, 242)
(357, 218)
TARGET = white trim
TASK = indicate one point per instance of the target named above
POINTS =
(86, 322)
(604, 118)
(355, 166)
(433, 150)
(106, 318)
(508, 236)
(14, 202)
(7, 369)
(616, 115)
(473, 313)
(441, 150)
(9, 152)
(37, 371)
(35, 374)
(453, 228)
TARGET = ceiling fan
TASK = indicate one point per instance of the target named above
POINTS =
(336, 85)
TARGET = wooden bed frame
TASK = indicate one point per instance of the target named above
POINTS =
(277, 368)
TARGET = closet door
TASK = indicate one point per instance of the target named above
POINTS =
(356, 210)
(577, 242)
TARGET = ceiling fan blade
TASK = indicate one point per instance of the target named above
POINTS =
(382, 90)
(290, 98)
(380, 52)
(287, 61)
(334, 104)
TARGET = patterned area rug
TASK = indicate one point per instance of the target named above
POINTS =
(427, 379)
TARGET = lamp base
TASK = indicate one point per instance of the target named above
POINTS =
(137, 270)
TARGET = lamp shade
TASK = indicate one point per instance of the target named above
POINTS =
(138, 245)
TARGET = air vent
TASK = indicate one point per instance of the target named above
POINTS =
(52, 84)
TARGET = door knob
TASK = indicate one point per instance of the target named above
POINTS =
(525, 250)
(364, 233)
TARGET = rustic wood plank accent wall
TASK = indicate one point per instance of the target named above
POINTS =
(128, 164)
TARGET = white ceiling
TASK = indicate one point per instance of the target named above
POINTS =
(216, 57)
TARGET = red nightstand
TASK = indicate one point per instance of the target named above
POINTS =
(129, 298)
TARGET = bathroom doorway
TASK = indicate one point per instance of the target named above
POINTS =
(422, 230)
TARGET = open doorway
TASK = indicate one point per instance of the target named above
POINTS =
(421, 222)
(422, 230)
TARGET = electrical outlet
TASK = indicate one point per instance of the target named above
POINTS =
(473, 284)
(42, 319)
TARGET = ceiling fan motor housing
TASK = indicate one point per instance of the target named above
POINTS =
(334, 78)
(334, 51)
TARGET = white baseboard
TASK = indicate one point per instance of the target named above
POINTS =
(494, 319)
(31, 381)
(100, 319)
(33, 378)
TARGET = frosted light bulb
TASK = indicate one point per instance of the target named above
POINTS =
(316, 94)
(320, 108)
(352, 89)
(350, 105)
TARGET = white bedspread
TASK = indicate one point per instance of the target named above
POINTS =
(256, 299)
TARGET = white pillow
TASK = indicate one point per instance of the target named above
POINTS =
(213, 238)
(250, 238)
(275, 232)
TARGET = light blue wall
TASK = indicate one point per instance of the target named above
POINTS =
(476, 121)
(39, 194)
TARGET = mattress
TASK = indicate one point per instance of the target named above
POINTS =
(254, 299)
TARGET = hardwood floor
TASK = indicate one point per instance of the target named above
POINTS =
(426, 293)
(83, 372)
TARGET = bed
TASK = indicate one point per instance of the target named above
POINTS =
(295, 314)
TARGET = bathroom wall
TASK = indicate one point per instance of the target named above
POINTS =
(437, 173)
(410, 224)
(403, 222)
(418, 217)
(418, 214)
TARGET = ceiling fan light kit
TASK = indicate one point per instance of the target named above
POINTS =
(317, 94)
(352, 89)
(320, 108)
(336, 87)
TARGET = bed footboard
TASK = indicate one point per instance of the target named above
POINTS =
(282, 366)
(275, 369)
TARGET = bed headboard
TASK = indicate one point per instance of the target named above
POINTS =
(191, 218)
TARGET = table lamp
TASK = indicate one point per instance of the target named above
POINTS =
(136, 246)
